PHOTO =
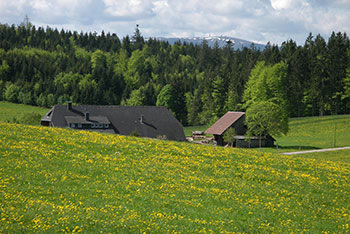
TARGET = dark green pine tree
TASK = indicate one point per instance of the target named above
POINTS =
(126, 45)
(179, 100)
(297, 63)
(271, 54)
(336, 66)
(219, 97)
(316, 94)
(299, 73)
(138, 40)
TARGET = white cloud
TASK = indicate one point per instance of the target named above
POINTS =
(160, 6)
(128, 8)
(257, 20)
(11, 8)
(42, 6)
(281, 4)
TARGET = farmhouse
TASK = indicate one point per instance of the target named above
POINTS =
(236, 120)
(145, 121)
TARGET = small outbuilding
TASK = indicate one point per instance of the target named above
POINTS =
(144, 121)
(236, 120)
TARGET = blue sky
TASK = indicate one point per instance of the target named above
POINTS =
(255, 20)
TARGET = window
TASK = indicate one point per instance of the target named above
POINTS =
(80, 125)
(72, 125)
(99, 125)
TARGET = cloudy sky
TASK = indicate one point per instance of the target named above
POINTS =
(255, 20)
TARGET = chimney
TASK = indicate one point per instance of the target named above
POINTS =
(69, 105)
(87, 116)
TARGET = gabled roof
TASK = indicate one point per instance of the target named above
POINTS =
(220, 126)
(148, 121)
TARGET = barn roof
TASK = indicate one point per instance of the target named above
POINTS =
(220, 126)
(83, 120)
(148, 121)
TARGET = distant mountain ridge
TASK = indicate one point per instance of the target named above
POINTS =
(221, 40)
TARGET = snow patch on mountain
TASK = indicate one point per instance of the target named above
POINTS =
(221, 41)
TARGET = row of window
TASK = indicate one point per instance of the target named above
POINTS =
(98, 125)
(93, 125)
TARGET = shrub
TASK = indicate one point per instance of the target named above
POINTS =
(134, 133)
(27, 118)
(229, 136)
(11, 93)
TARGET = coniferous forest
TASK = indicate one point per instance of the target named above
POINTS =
(45, 66)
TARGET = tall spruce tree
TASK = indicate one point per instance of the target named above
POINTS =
(336, 66)
(317, 92)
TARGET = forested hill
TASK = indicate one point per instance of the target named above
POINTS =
(196, 82)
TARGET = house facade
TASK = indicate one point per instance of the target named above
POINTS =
(144, 121)
(236, 120)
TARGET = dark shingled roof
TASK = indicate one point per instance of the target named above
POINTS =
(82, 120)
(220, 126)
(148, 121)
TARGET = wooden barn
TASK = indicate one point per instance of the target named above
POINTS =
(144, 121)
(236, 120)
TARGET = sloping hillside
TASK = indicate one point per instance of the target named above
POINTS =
(63, 180)
(317, 132)
(11, 111)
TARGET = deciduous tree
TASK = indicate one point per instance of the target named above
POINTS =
(265, 118)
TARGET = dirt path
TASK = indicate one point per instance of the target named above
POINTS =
(315, 151)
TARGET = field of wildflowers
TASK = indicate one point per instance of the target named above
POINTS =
(337, 155)
(54, 180)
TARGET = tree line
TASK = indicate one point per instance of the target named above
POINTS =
(196, 82)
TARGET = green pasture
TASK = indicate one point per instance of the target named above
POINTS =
(61, 180)
(10, 112)
(337, 156)
(317, 133)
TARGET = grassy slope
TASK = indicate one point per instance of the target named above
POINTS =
(317, 132)
(8, 110)
(63, 180)
(339, 156)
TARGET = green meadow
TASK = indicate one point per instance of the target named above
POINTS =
(61, 180)
(10, 111)
(337, 156)
(317, 133)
